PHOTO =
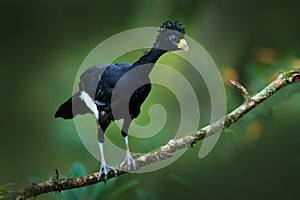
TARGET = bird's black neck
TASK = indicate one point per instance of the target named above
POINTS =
(149, 59)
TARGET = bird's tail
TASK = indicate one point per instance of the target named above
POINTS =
(72, 107)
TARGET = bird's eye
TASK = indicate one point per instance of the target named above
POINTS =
(173, 38)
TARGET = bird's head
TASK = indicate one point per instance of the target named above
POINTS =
(171, 37)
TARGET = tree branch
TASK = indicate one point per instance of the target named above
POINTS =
(166, 151)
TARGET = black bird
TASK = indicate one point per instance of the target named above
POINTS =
(117, 91)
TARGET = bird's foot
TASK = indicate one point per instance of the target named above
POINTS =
(104, 170)
(128, 161)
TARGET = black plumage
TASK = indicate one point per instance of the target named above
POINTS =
(117, 91)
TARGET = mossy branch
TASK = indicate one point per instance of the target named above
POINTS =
(164, 152)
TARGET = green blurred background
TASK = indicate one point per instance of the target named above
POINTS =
(43, 43)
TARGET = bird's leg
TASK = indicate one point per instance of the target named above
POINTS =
(104, 168)
(128, 158)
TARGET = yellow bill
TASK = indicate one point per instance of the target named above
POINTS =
(183, 45)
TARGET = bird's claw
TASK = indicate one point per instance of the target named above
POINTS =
(128, 160)
(104, 169)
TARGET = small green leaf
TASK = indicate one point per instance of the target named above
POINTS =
(144, 194)
(130, 185)
(77, 169)
(182, 183)
(99, 190)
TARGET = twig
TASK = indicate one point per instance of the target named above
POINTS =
(166, 151)
(241, 88)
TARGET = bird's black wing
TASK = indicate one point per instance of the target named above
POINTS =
(114, 72)
(90, 78)
(109, 79)
(99, 81)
